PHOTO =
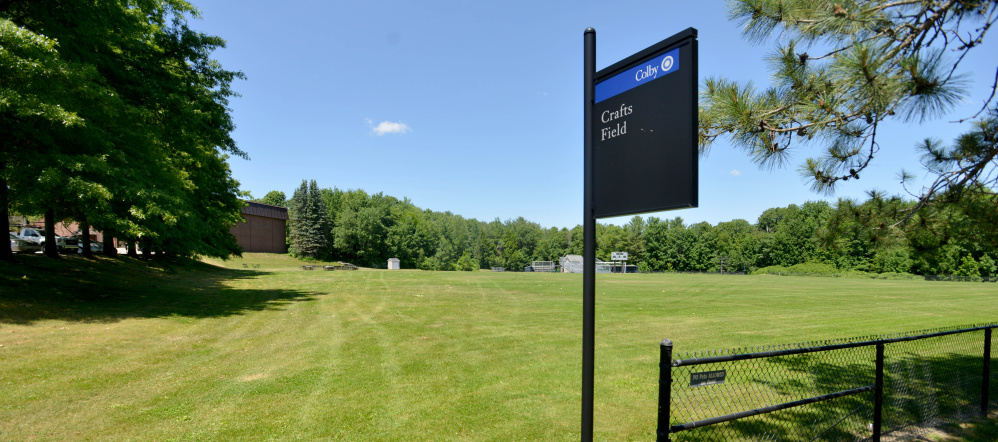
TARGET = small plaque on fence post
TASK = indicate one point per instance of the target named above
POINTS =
(705, 378)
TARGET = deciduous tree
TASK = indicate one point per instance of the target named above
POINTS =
(114, 112)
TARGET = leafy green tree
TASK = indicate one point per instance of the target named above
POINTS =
(467, 264)
(513, 257)
(39, 94)
(575, 240)
(939, 235)
(361, 229)
(410, 237)
(664, 244)
(553, 245)
(608, 240)
(132, 80)
(794, 234)
(876, 61)
(699, 245)
(275, 198)
(738, 243)
(857, 233)
(891, 260)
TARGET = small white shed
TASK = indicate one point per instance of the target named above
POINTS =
(393, 264)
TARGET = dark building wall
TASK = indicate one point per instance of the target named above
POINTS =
(264, 234)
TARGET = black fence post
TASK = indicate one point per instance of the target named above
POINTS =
(986, 382)
(664, 390)
(878, 394)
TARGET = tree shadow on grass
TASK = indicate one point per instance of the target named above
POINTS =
(35, 288)
(926, 383)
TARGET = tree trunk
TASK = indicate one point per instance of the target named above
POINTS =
(5, 251)
(109, 248)
(51, 248)
(130, 248)
(85, 236)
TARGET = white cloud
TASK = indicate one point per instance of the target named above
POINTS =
(388, 127)
(735, 172)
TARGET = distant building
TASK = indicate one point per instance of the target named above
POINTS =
(264, 229)
(394, 264)
(571, 264)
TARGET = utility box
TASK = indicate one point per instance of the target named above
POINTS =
(393, 264)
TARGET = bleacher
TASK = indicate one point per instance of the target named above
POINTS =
(543, 266)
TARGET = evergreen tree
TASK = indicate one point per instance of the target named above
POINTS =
(298, 219)
(319, 234)
(308, 231)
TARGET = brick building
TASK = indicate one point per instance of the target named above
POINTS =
(265, 228)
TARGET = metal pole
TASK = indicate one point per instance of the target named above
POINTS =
(589, 243)
(986, 383)
(664, 390)
(878, 394)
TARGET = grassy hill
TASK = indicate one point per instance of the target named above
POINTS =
(257, 348)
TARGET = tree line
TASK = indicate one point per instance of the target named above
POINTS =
(113, 114)
(367, 229)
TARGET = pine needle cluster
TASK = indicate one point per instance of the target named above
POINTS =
(841, 69)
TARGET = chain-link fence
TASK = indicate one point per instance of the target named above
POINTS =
(895, 387)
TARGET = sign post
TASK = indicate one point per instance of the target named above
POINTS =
(641, 122)
(589, 241)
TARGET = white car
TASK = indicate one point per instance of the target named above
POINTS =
(37, 236)
(21, 245)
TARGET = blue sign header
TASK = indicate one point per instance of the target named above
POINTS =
(650, 70)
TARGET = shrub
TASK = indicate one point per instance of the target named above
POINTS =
(897, 276)
(968, 267)
(466, 263)
(895, 260)
(987, 266)
(771, 270)
(814, 268)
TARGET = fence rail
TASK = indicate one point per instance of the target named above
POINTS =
(850, 389)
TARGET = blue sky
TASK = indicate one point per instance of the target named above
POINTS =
(476, 107)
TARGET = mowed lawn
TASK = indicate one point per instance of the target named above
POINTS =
(257, 348)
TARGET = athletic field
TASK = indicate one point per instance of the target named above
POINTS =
(257, 348)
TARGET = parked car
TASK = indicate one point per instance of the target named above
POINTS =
(20, 245)
(95, 247)
(37, 236)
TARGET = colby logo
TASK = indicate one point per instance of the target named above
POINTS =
(652, 71)
(666, 63)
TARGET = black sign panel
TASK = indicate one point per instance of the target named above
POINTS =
(645, 130)
(706, 378)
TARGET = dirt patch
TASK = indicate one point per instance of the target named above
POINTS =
(252, 377)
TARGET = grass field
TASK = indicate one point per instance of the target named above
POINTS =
(256, 348)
